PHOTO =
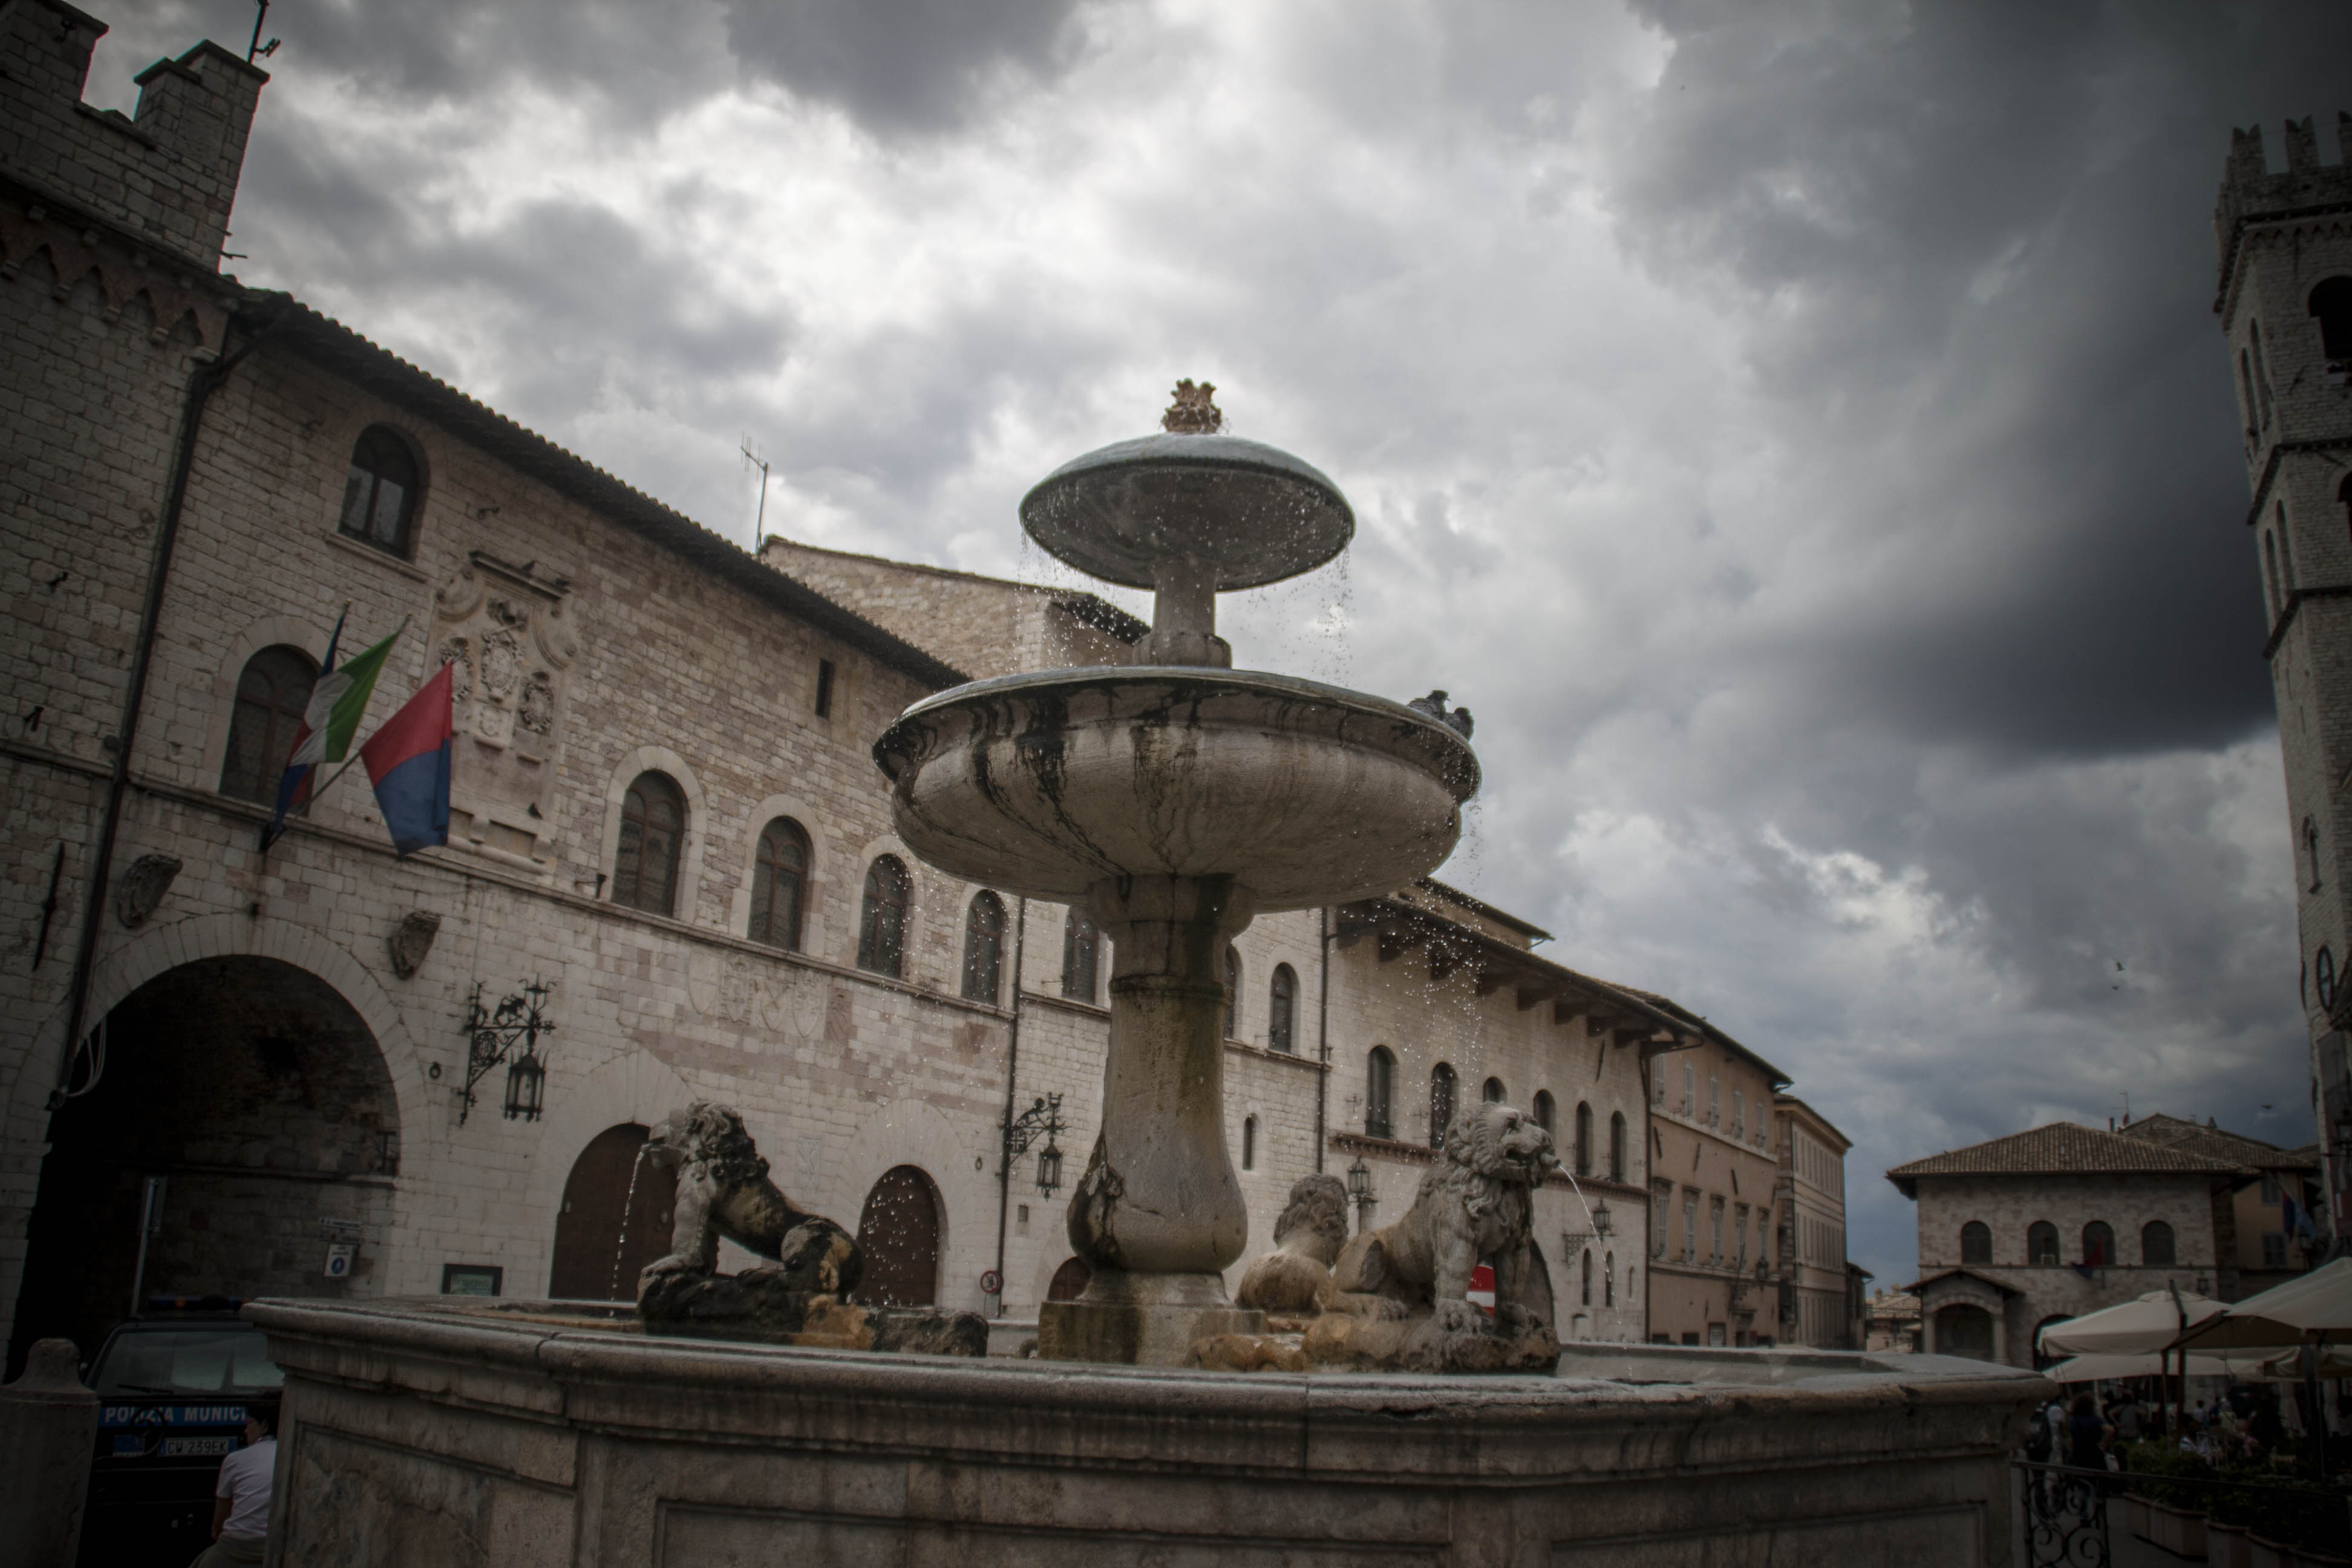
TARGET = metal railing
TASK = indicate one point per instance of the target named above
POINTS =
(2064, 1512)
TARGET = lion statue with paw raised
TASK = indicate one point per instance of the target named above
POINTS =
(1399, 1295)
(723, 1190)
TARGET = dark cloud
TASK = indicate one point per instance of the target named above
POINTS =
(903, 65)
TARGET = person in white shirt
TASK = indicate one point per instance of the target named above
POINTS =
(241, 1498)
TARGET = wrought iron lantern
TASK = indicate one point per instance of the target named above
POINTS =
(1359, 1192)
(1042, 1119)
(494, 1036)
(526, 1086)
(1604, 1223)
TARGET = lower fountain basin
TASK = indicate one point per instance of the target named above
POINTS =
(1048, 784)
(526, 1436)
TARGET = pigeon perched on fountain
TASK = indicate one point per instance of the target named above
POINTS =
(1458, 719)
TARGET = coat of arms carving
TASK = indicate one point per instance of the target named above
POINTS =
(503, 628)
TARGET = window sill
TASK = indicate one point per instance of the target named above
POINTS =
(350, 546)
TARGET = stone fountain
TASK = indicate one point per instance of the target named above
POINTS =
(1175, 799)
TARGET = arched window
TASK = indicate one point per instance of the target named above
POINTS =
(1282, 999)
(983, 947)
(1547, 1113)
(2246, 395)
(1588, 1276)
(2041, 1242)
(2287, 578)
(1976, 1242)
(2156, 1245)
(1080, 940)
(778, 883)
(1617, 1146)
(1379, 1093)
(1249, 1142)
(381, 493)
(1583, 1139)
(2270, 573)
(2098, 1244)
(2311, 849)
(1233, 994)
(653, 831)
(882, 919)
(2331, 301)
(271, 692)
(2262, 370)
(1441, 1103)
(1609, 1280)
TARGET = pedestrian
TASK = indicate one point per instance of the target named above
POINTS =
(2126, 1417)
(241, 1496)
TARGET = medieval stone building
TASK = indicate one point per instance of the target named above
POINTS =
(233, 1069)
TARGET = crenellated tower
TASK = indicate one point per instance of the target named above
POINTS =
(167, 172)
(2285, 305)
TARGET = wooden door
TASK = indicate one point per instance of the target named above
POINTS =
(606, 1232)
(899, 1234)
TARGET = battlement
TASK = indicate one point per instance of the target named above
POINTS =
(169, 170)
(2251, 193)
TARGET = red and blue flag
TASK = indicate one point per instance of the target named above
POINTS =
(408, 762)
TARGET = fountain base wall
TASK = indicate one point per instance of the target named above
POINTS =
(418, 1432)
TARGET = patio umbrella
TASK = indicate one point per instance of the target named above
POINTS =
(2154, 1363)
(2154, 1323)
(2315, 1309)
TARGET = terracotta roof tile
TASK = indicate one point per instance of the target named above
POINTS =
(2174, 1132)
(2060, 1149)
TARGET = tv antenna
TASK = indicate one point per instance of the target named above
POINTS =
(759, 528)
(260, 15)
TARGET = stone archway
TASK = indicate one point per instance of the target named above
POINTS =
(260, 1098)
(615, 1217)
(899, 1232)
(1965, 1330)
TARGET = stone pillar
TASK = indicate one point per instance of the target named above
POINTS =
(1927, 1328)
(49, 1428)
(2000, 1333)
(1184, 616)
(1158, 1214)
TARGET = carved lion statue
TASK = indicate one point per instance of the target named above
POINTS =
(723, 1190)
(1474, 1204)
(1293, 1278)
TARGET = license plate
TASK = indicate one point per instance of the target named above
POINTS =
(176, 1448)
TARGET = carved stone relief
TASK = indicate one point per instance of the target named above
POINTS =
(504, 628)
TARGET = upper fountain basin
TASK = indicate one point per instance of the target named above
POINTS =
(1253, 513)
(1048, 784)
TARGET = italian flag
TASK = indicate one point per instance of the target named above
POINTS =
(338, 701)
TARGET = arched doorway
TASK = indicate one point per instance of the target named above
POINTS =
(1964, 1330)
(614, 1220)
(255, 1095)
(899, 1232)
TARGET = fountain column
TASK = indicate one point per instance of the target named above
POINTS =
(1158, 1214)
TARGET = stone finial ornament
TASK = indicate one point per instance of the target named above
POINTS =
(412, 940)
(143, 887)
(1195, 411)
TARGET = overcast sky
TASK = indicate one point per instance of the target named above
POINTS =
(1797, 429)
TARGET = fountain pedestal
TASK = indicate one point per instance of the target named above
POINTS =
(1159, 1214)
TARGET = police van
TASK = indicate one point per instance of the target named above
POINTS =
(172, 1385)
